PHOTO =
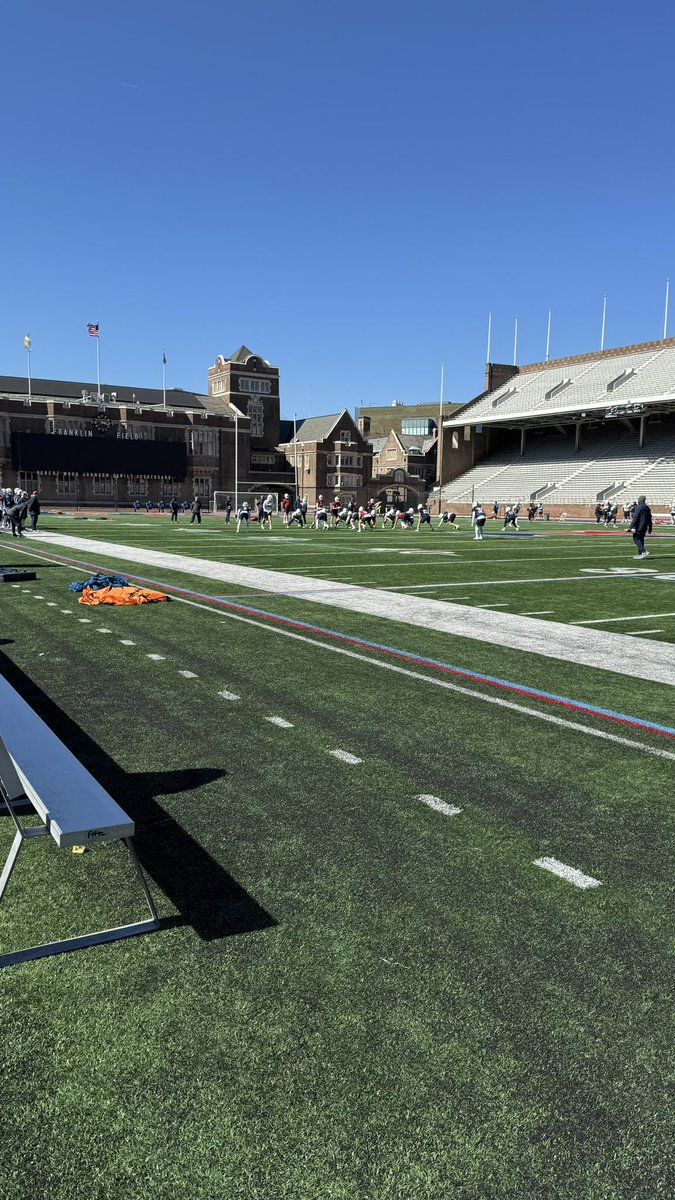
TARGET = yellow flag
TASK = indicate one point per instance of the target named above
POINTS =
(26, 342)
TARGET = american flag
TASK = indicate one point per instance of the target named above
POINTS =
(92, 330)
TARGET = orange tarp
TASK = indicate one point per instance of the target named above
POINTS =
(120, 595)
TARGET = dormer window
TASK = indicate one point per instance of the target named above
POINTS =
(504, 396)
(557, 389)
(622, 378)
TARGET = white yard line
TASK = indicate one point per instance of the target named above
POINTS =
(602, 650)
(188, 675)
(282, 724)
(156, 657)
(642, 632)
(495, 604)
(84, 620)
(67, 612)
(233, 696)
(126, 642)
(569, 873)
(104, 630)
(345, 757)
(52, 604)
(641, 617)
(540, 612)
(449, 810)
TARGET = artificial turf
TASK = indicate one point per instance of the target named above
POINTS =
(352, 995)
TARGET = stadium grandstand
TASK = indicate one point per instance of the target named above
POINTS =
(569, 433)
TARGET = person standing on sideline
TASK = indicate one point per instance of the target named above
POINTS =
(641, 525)
(672, 512)
(228, 511)
(34, 511)
(480, 517)
(173, 505)
(196, 511)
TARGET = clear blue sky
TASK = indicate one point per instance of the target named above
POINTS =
(348, 188)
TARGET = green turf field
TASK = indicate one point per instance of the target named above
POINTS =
(357, 991)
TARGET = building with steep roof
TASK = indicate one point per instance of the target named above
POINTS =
(330, 456)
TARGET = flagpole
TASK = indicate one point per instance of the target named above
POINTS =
(98, 362)
(164, 376)
(439, 452)
(515, 345)
(548, 337)
(295, 456)
(27, 345)
(604, 322)
(489, 345)
(665, 319)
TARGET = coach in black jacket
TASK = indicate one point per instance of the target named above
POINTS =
(34, 510)
(641, 525)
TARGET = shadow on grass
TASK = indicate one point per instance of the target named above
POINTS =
(206, 896)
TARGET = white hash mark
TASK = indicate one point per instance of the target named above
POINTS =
(450, 810)
(569, 873)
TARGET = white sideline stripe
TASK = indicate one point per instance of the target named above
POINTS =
(16, 585)
(229, 695)
(38, 597)
(496, 604)
(156, 657)
(569, 873)
(606, 620)
(26, 591)
(126, 642)
(104, 630)
(641, 632)
(541, 612)
(443, 683)
(345, 757)
(52, 604)
(67, 612)
(280, 722)
(450, 810)
(571, 643)
(188, 675)
(84, 620)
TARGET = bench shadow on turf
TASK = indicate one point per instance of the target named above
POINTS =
(205, 895)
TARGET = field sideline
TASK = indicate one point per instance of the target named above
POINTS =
(415, 879)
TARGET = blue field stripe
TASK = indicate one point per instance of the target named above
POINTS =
(606, 714)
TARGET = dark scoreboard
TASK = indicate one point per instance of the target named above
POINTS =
(33, 452)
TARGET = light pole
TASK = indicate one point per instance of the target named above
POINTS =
(237, 415)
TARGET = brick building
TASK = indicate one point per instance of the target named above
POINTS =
(78, 446)
(331, 457)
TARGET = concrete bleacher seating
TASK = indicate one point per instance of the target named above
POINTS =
(607, 463)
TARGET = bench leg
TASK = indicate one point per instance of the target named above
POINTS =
(87, 939)
(10, 861)
(144, 883)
